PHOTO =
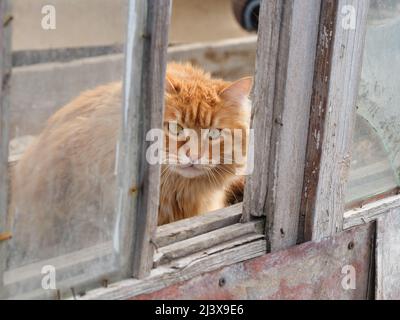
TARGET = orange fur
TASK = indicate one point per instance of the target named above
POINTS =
(66, 183)
(197, 101)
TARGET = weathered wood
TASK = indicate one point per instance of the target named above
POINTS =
(282, 94)
(207, 240)
(145, 67)
(370, 212)
(217, 249)
(5, 75)
(183, 269)
(189, 228)
(335, 89)
(362, 202)
(289, 133)
(262, 112)
(61, 263)
(388, 256)
(312, 270)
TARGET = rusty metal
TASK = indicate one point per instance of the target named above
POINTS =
(312, 270)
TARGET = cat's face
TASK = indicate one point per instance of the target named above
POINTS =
(205, 124)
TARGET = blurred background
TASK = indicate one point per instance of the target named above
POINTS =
(101, 22)
(86, 48)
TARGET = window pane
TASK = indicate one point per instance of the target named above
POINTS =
(63, 149)
(212, 49)
(375, 166)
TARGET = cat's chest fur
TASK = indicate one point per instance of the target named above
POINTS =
(185, 199)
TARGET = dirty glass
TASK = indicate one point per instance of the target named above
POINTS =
(375, 165)
(217, 42)
(65, 224)
(211, 34)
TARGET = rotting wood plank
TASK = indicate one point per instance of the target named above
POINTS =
(189, 228)
(312, 270)
(370, 212)
(206, 240)
(181, 270)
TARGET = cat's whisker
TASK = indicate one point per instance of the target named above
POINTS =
(224, 169)
(214, 178)
(219, 173)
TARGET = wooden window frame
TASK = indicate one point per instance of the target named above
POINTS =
(235, 234)
(296, 192)
(275, 114)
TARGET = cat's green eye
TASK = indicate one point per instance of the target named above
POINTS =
(214, 134)
(175, 129)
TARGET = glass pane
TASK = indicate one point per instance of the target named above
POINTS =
(210, 53)
(206, 20)
(63, 147)
(375, 166)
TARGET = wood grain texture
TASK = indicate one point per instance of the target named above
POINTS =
(308, 271)
(207, 240)
(370, 212)
(183, 269)
(335, 89)
(5, 75)
(255, 193)
(189, 228)
(282, 95)
(145, 67)
(388, 256)
(289, 134)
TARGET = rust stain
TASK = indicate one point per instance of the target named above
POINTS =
(7, 20)
(312, 270)
(133, 190)
(5, 236)
(290, 292)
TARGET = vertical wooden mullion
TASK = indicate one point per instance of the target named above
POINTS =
(333, 109)
(5, 74)
(146, 58)
(255, 192)
(287, 39)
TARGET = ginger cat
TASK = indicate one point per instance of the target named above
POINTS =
(65, 183)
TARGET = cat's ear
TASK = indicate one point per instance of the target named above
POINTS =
(238, 90)
(169, 86)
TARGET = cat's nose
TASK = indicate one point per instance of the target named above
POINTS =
(193, 156)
